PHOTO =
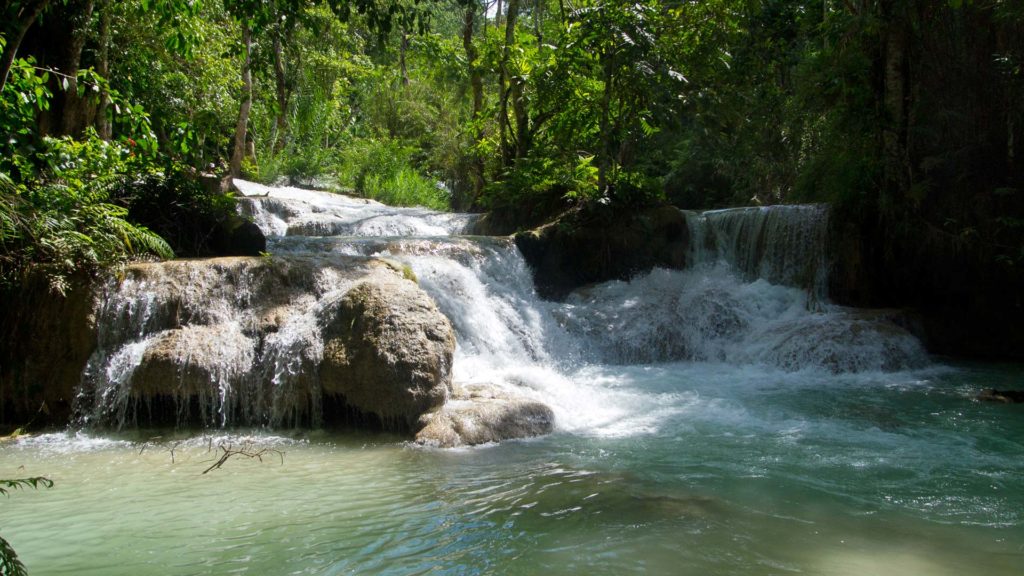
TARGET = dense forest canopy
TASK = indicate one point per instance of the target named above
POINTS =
(904, 114)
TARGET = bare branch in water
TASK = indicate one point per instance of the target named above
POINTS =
(247, 449)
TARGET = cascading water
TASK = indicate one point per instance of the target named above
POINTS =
(781, 244)
(720, 419)
(753, 296)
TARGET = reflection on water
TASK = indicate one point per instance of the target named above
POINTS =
(754, 472)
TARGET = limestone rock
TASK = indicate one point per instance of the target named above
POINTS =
(480, 413)
(193, 360)
(267, 341)
(1003, 396)
(388, 351)
(851, 342)
(46, 340)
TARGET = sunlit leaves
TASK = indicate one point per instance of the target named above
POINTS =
(24, 483)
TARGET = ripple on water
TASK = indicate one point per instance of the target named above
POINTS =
(749, 476)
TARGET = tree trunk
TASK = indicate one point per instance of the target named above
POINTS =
(104, 125)
(477, 85)
(503, 83)
(403, 47)
(538, 18)
(281, 126)
(25, 20)
(73, 120)
(605, 157)
(522, 117)
(243, 113)
(894, 102)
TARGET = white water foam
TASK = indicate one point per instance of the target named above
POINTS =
(296, 212)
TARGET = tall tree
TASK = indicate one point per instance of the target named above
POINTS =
(104, 126)
(477, 88)
(238, 151)
(21, 16)
(504, 88)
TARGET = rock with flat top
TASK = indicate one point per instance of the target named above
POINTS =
(482, 413)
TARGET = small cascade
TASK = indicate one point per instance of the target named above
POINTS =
(711, 314)
(218, 342)
(781, 244)
(281, 212)
(239, 341)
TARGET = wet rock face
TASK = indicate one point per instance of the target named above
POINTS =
(266, 341)
(842, 343)
(574, 251)
(238, 237)
(45, 339)
(482, 413)
(193, 362)
(388, 351)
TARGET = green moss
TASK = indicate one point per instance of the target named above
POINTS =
(408, 274)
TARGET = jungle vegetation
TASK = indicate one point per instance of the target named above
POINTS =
(906, 115)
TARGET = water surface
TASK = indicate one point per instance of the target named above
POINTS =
(701, 468)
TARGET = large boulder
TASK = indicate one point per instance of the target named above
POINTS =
(388, 351)
(581, 248)
(481, 413)
(841, 342)
(194, 365)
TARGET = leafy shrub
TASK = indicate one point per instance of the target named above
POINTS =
(366, 156)
(178, 207)
(297, 167)
(383, 169)
(63, 222)
(539, 187)
(406, 187)
(634, 190)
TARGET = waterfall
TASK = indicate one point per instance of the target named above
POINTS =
(781, 244)
(242, 338)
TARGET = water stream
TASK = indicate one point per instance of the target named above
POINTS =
(725, 419)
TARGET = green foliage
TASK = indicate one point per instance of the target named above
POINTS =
(368, 156)
(635, 190)
(539, 187)
(180, 70)
(25, 95)
(383, 169)
(619, 105)
(62, 222)
(406, 187)
(24, 483)
(297, 167)
(176, 205)
(10, 564)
